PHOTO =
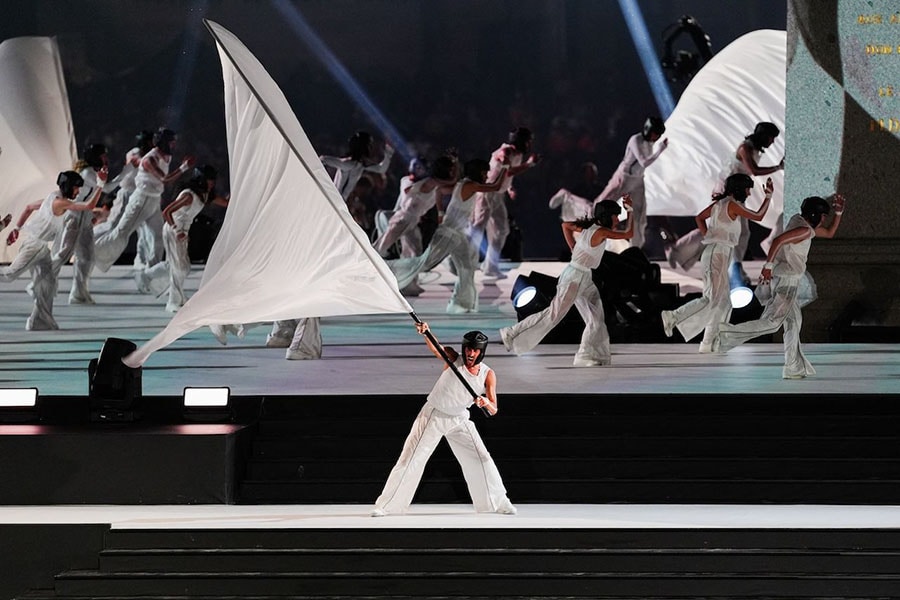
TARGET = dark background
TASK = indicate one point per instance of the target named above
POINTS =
(445, 72)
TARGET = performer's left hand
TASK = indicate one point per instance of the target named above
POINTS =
(422, 327)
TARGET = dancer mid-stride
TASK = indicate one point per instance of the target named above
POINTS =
(786, 268)
(720, 236)
(446, 415)
(576, 286)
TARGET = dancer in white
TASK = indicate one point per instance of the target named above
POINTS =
(41, 222)
(689, 248)
(786, 270)
(77, 235)
(576, 286)
(720, 236)
(629, 175)
(303, 337)
(179, 215)
(418, 170)
(144, 143)
(144, 204)
(446, 415)
(491, 216)
(450, 239)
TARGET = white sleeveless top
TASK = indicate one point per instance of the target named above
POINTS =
(791, 258)
(735, 165)
(459, 211)
(184, 216)
(450, 396)
(417, 203)
(43, 224)
(584, 255)
(721, 229)
(147, 181)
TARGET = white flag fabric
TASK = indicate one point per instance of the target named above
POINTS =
(288, 247)
(742, 85)
(36, 134)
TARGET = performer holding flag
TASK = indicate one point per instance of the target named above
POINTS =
(446, 415)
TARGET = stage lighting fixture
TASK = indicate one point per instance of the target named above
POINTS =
(207, 404)
(527, 299)
(18, 405)
(114, 388)
(741, 294)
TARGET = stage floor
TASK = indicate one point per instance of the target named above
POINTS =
(461, 516)
(382, 354)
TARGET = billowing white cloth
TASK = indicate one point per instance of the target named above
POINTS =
(288, 246)
(742, 85)
(36, 133)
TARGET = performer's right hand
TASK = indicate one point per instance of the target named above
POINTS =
(422, 327)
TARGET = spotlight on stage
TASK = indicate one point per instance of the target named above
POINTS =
(741, 294)
(18, 405)
(207, 404)
(114, 389)
(527, 299)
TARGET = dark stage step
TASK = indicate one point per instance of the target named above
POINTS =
(489, 563)
(597, 449)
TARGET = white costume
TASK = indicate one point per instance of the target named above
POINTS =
(714, 308)
(143, 208)
(177, 264)
(77, 237)
(490, 216)
(783, 308)
(689, 248)
(629, 179)
(576, 286)
(39, 231)
(450, 240)
(404, 223)
(348, 171)
(445, 415)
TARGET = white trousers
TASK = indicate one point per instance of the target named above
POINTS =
(305, 336)
(709, 312)
(481, 474)
(76, 238)
(445, 242)
(490, 217)
(142, 207)
(176, 267)
(404, 227)
(782, 310)
(34, 255)
(575, 286)
(621, 184)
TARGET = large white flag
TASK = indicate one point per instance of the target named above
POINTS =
(36, 134)
(742, 85)
(288, 247)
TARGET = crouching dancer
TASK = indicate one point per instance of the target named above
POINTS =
(786, 262)
(446, 414)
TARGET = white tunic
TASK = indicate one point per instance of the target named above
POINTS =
(184, 216)
(450, 396)
(44, 225)
(791, 258)
(585, 256)
(459, 211)
(722, 229)
(515, 159)
(147, 181)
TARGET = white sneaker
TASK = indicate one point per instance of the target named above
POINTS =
(377, 512)
(506, 508)
(455, 309)
(590, 362)
(142, 281)
(668, 322)
(291, 354)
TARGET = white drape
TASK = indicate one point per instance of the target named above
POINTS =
(36, 135)
(288, 247)
(742, 85)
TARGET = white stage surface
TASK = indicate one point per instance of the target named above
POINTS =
(461, 516)
(382, 354)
